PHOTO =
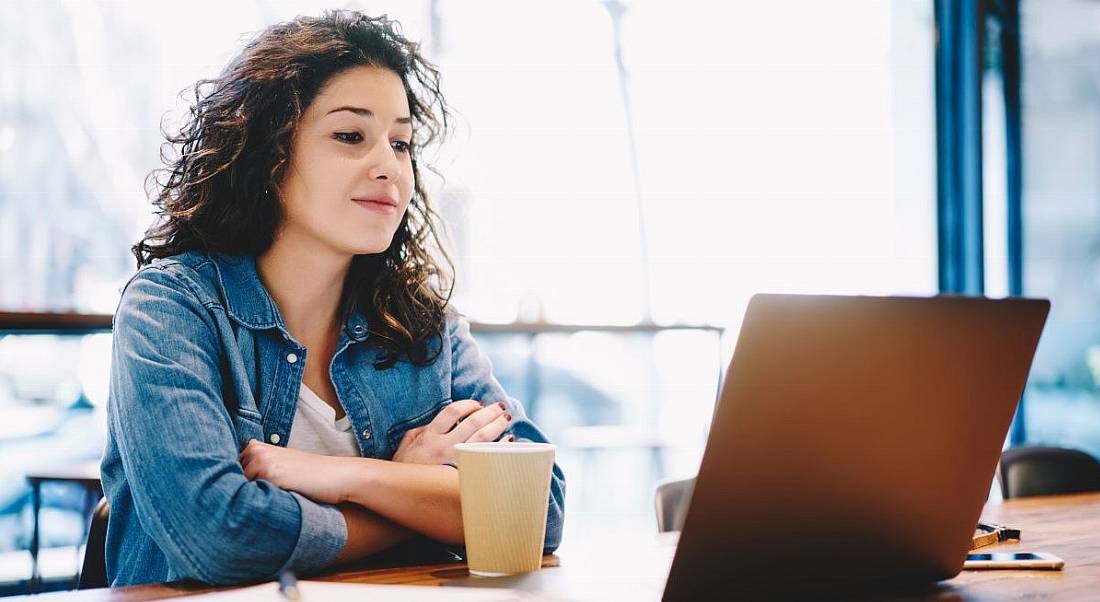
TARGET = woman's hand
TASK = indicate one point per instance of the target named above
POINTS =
(322, 479)
(459, 422)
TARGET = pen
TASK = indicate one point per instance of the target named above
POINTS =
(288, 586)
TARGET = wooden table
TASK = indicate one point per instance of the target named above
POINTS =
(634, 567)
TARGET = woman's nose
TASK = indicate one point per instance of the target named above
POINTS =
(383, 162)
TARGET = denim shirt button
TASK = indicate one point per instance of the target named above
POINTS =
(274, 438)
(358, 329)
(366, 434)
(292, 358)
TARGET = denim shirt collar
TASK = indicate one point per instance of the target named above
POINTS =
(248, 302)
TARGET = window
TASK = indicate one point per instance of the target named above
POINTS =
(1061, 205)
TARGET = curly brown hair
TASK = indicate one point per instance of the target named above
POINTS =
(221, 186)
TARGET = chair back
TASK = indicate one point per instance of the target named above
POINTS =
(1027, 471)
(93, 572)
(672, 500)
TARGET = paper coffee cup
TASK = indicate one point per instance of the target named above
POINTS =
(505, 493)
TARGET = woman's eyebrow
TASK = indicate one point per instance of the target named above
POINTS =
(366, 113)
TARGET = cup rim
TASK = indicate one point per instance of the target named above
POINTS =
(502, 447)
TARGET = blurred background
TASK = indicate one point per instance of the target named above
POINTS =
(624, 176)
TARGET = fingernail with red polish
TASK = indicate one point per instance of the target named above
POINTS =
(508, 417)
(502, 406)
(511, 438)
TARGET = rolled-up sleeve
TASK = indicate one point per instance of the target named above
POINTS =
(472, 378)
(179, 449)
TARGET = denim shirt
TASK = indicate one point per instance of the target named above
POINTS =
(202, 362)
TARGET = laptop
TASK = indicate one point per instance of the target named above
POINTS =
(853, 444)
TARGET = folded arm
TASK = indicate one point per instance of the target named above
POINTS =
(368, 533)
(415, 490)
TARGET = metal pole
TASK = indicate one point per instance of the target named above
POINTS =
(1011, 78)
(959, 35)
(616, 10)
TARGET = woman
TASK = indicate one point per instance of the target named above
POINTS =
(288, 381)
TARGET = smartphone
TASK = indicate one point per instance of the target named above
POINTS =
(1013, 560)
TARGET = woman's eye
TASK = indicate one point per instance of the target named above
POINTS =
(401, 146)
(348, 137)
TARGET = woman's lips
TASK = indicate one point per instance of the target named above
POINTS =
(384, 206)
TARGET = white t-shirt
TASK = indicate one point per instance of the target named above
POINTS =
(317, 430)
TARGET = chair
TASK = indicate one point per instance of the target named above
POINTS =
(85, 475)
(1027, 471)
(93, 573)
(672, 500)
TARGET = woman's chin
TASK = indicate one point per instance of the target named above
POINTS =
(369, 248)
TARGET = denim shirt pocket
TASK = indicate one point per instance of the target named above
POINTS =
(398, 430)
(248, 424)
